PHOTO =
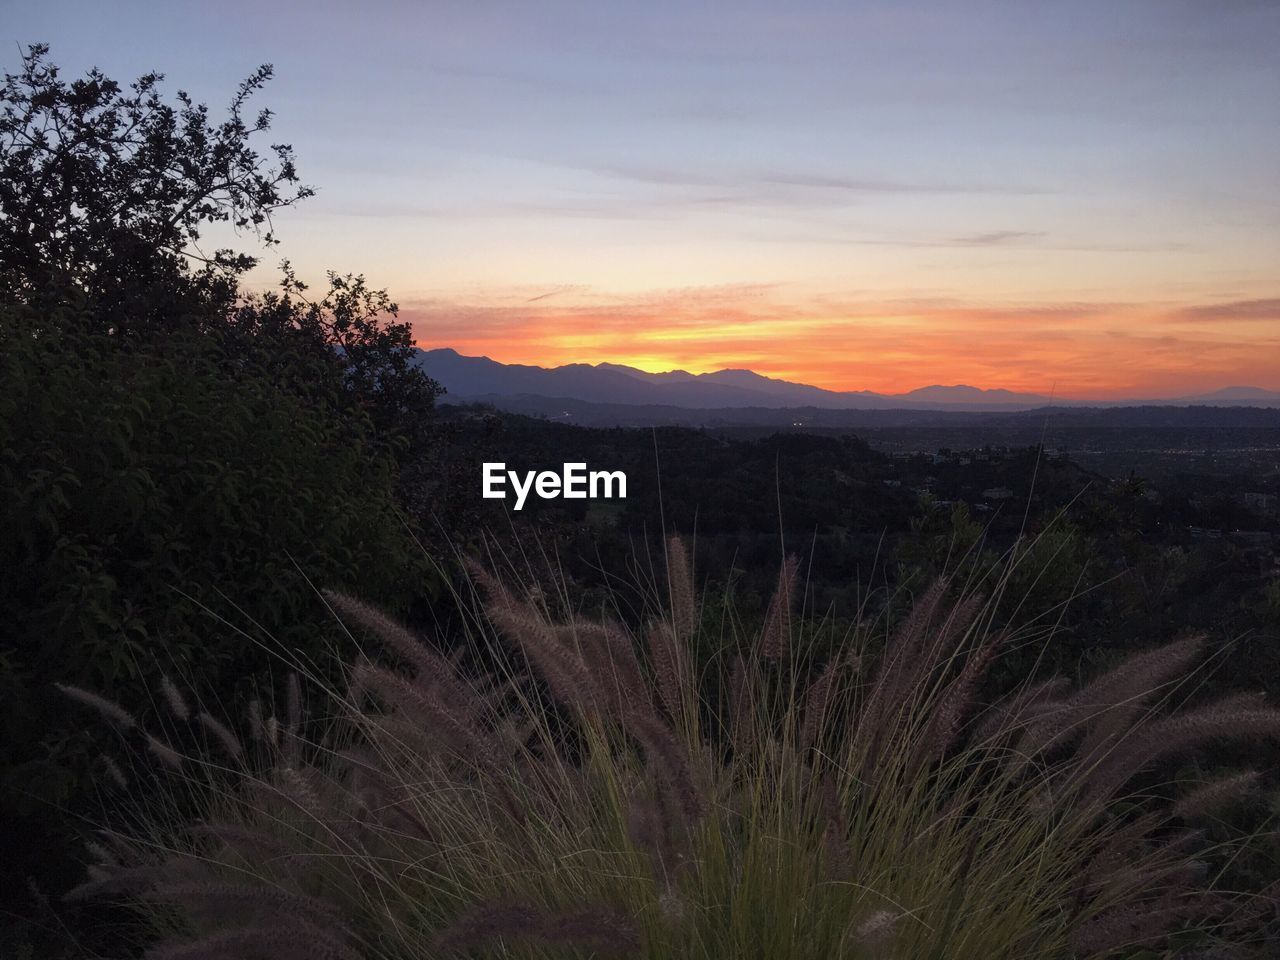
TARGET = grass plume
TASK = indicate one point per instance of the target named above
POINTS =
(636, 788)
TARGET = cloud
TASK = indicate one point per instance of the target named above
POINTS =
(872, 185)
(1234, 310)
(548, 295)
(1033, 240)
(853, 342)
(754, 182)
(997, 238)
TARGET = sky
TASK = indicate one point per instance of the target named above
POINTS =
(1077, 198)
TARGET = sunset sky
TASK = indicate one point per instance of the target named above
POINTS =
(1078, 197)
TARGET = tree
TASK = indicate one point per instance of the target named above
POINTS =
(181, 463)
(161, 514)
(343, 346)
(104, 192)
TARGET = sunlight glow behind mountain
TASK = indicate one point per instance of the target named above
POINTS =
(863, 195)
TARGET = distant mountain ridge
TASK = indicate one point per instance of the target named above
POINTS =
(475, 377)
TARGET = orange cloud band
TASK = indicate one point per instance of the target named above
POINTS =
(1084, 350)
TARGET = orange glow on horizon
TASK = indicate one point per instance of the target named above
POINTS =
(1069, 350)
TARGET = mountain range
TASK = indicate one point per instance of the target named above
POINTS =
(483, 379)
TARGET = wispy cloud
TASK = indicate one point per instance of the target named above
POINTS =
(996, 238)
(749, 181)
(1041, 241)
(874, 185)
(552, 293)
(1234, 310)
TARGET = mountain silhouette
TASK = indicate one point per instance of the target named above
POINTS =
(468, 378)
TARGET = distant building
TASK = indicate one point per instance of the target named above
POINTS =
(1253, 539)
(997, 493)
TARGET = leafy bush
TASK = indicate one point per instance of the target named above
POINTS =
(178, 459)
(147, 493)
(584, 800)
(104, 194)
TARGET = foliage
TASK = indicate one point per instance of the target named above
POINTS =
(146, 494)
(864, 523)
(172, 448)
(345, 346)
(105, 191)
(760, 803)
(104, 194)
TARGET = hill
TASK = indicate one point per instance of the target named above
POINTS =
(510, 386)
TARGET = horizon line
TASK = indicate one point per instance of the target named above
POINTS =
(1050, 396)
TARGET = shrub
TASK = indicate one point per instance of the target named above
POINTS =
(178, 457)
(148, 493)
(605, 791)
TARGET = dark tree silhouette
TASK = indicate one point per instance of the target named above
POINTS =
(104, 192)
(172, 446)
